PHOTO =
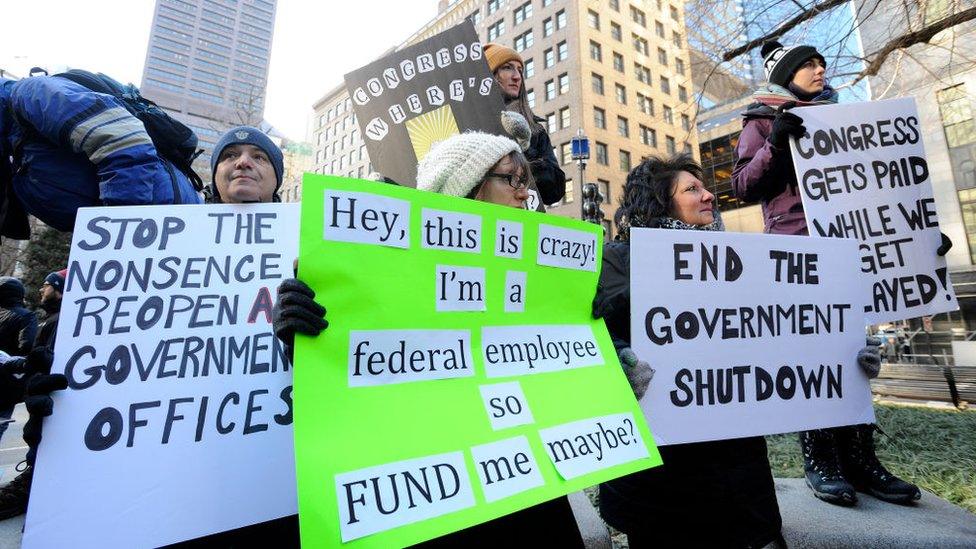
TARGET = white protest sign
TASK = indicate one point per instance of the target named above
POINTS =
(749, 334)
(177, 421)
(863, 175)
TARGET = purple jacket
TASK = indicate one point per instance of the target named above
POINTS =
(764, 173)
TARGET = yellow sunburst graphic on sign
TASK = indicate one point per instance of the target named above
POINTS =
(431, 127)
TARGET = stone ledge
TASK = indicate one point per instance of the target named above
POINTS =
(932, 522)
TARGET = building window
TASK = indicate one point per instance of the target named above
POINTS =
(674, 13)
(679, 66)
(604, 187)
(624, 161)
(957, 116)
(549, 58)
(547, 27)
(528, 69)
(596, 52)
(621, 94)
(563, 83)
(493, 6)
(638, 16)
(685, 122)
(551, 122)
(593, 19)
(676, 39)
(670, 144)
(615, 32)
(597, 82)
(599, 118)
(668, 115)
(659, 29)
(642, 73)
(560, 19)
(648, 136)
(682, 93)
(665, 85)
(645, 104)
(524, 40)
(568, 197)
(562, 51)
(475, 17)
(564, 118)
(662, 57)
(550, 90)
(615, 5)
(640, 44)
(496, 30)
(523, 12)
(618, 62)
(566, 153)
(602, 157)
(530, 98)
(623, 127)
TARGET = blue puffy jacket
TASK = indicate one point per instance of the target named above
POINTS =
(81, 148)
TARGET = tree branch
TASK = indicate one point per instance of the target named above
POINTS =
(911, 38)
(815, 10)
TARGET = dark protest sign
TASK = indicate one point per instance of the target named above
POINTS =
(422, 94)
(749, 334)
(177, 420)
(863, 175)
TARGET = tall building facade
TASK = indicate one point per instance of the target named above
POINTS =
(618, 70)
(941, 76)
(207, 64)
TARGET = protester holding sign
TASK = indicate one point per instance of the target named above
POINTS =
(764, 172)
(507, 66)
(246, 166)
(727, 481)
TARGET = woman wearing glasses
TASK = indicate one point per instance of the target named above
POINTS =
(507, 66)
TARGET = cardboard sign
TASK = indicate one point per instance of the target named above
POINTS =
(422, 94)
(462, 376)
(862, 173)
(176, 422)
(748, 334)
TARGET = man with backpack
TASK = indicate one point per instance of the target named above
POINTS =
(79, 139)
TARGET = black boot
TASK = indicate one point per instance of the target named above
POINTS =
(13, 496)
(822, 468)
(861, 466)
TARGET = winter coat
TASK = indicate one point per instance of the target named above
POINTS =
(74, 147)
(18, 325)
(764, 173)
(707, 494)
(549, 177)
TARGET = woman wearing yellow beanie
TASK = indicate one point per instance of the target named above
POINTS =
(507, 66)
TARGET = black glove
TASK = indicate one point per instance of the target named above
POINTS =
(39, 405)
(786, 125)
(297, 312)
(869, 357)
(944, 247)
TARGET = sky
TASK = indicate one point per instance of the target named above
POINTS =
(315, 43)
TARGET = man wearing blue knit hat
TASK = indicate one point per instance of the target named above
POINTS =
(246, 167)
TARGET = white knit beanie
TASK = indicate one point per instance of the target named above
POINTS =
(456, 165)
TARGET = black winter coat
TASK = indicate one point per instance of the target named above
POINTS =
(707, 494)
(549, 177)
(18, 326)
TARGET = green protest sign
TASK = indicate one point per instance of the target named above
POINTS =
(462, 376)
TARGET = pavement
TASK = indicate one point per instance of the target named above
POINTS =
(12, 452)
(932, 522)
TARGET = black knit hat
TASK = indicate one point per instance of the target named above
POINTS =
(781, 63)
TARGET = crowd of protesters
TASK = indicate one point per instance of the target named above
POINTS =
(65, 146)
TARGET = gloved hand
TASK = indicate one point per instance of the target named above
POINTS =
(638, 372)
(296, 312)
(869, 358)
(786, 125)
(13, 364)
(518, 128)
(944, 247)
(39, 405)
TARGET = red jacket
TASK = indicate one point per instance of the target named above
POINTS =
(764, 173)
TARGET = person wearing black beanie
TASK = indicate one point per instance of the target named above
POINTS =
(245, 167)
(841, 461)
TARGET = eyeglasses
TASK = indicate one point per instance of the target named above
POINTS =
(509, 178)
